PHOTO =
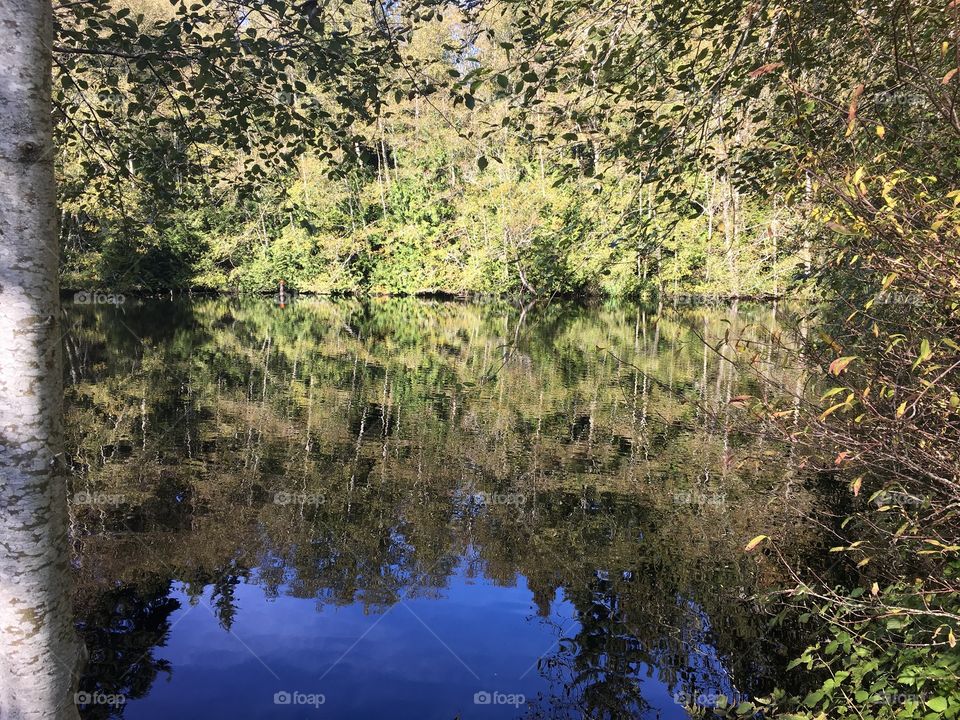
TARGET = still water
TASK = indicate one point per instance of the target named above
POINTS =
(412, 509)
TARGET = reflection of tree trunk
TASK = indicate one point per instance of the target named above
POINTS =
(308, 446)
(39, 651)
(703, 380)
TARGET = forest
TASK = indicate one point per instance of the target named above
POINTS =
(470, 174)
(650, 307)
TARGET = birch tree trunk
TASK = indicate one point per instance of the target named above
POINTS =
(39, 650)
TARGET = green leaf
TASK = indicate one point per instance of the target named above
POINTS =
(939, 704)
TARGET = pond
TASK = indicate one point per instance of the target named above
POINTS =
(414, 509)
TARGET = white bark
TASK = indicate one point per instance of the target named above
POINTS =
(39, 650)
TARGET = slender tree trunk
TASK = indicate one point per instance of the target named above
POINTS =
(659, 250)
(729, 218)
(730, 221)
(711, 188)
(775, 236)
(383, 197)
(383, 151)
(39, 650)
(806, 252)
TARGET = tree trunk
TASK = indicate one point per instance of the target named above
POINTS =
(39, 650)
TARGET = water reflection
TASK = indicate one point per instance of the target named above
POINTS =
(418, 510)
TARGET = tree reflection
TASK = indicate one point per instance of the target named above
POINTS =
(360, 452)
(123, 628)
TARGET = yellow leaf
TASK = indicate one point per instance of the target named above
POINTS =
(856, 485)
(830, 411)
(874, 589)
(753, 543)
(881, 131)
(840, 364)
(831, 392)
(902, 409)
(830, 341)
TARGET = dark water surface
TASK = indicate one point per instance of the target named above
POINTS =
(409, 509)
